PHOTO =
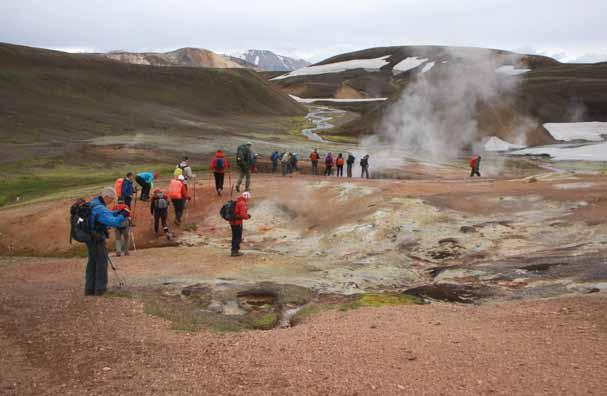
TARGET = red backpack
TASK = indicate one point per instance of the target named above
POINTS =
(118, 187)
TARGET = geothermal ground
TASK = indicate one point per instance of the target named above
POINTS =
(437, 284)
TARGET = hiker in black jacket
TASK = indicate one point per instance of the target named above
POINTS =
(350, 163)
(364, 167)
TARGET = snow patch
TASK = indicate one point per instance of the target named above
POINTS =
(496, 144)
(409, 63)
(368, 64)
(511, 70)
(313, 100)
(569, 152)
(257, 60)
(591, 131)
(427, 67)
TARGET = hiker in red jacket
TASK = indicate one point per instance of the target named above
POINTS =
(475, 165)
(219, 165)
(240, 214)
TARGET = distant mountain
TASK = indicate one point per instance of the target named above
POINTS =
(188, 57)
(266, 60)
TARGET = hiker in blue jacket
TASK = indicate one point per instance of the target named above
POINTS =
(101, 218)
(145, 180)
(275, 158)
(127, 189)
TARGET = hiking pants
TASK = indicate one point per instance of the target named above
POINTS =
(128, 201)
(145, 188)
(274, 166)
(340, 171)
(179, 205)
(283, 168)
(160, 215)
(219, 180)
(328, 170)
(349, 170)
(245, 173)
(122, 239)
(96, 268)
(364, 171)
(315, 167)
(236, 236)
(475, 171)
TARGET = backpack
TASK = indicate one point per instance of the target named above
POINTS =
(118, 187)
(339, 162)
(364, 162)
(227, 211)
(243, 155)
(351, 159)
(175, 189)
(219, 164)
(161, 201)
(80, 228)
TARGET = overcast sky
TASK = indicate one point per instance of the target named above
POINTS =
(314, 30)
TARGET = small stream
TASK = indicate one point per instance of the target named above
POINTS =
(320, 117)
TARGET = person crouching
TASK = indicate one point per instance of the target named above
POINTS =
(240, 214)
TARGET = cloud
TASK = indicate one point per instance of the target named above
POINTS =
(590, 58)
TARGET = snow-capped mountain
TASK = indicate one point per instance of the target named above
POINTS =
(269, 61)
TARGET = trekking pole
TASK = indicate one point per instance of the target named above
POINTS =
(133, 239)
(121, 280)
(231, 185)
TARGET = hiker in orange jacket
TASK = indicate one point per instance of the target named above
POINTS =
(240, 214)
(475, 165)
(219, 165)
(178, 193)
(339, 164)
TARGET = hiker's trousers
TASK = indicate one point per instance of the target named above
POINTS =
(349, 170)
(179, 205)
(122, 239)
(218, 180)
(364, 172)
(315, 167)
(145, 188)
(245, 173)
(96, 268)
(236, 236)
(160, 215)
(340, 171)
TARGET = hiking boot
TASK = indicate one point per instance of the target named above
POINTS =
(117, 254)
(126, 253)
(89, 293)
(236, 254)
(100, 292)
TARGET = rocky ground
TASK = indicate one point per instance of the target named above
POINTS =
(438, 285)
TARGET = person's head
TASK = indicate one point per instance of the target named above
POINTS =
(219, 152)
(155, 175)
(185, 159)
(479, 157)
(180, 178)
(248, 144)
(339, 155)
(108, 194)
(246, 195)
(130, 175)
(316, 150)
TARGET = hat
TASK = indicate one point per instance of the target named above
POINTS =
(155, 175)
(249, 143)
(180, 177)
(246, 195)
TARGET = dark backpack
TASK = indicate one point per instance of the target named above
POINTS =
(227, 211)
(162, 202)
(80, 216)
(220, 164)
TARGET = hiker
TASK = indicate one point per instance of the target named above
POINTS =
(123, 232)
(475, 166)
(127, 189)
(254, 162)
(100, 219)
(159, 208)
(186, 170)
(314, 157)
(350, 163)
(364, 167)
(285, 163)
(293, 162)
(329, 164)
(178, 194)
(243, 160)
(339, 164)
(275, 158)
(219, 165)
(240, 214)
(146, 180)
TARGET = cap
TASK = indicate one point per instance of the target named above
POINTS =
(180, 177)
(246, 195)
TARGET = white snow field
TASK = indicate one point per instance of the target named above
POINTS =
(313, 100)
(569, 152)
(496, 144)
(368, 64)
(591, 131)
(427, 67)
(408, 64)
(511, 70)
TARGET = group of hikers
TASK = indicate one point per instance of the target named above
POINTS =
(288, 163)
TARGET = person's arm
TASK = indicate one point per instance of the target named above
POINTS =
(213, 162)
(107, 217)
(153, 200)
(184, 191)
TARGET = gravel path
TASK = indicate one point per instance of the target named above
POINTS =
(56, 342)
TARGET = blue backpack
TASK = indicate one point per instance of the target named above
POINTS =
(219, 164)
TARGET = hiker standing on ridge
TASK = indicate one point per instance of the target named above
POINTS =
(219, 165)
(100, 219)
(244, 160)
(285, 163)
(339, 164)
(275, 158)
(122, 233)
(349, 164)
(146, 180)
(159, 208)
(329, 164)
(240, 214)
(364, 167)
(127, 189)
(475, 166)
(178, 193)
(186, 170)
(293, 162)
(314, 157)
